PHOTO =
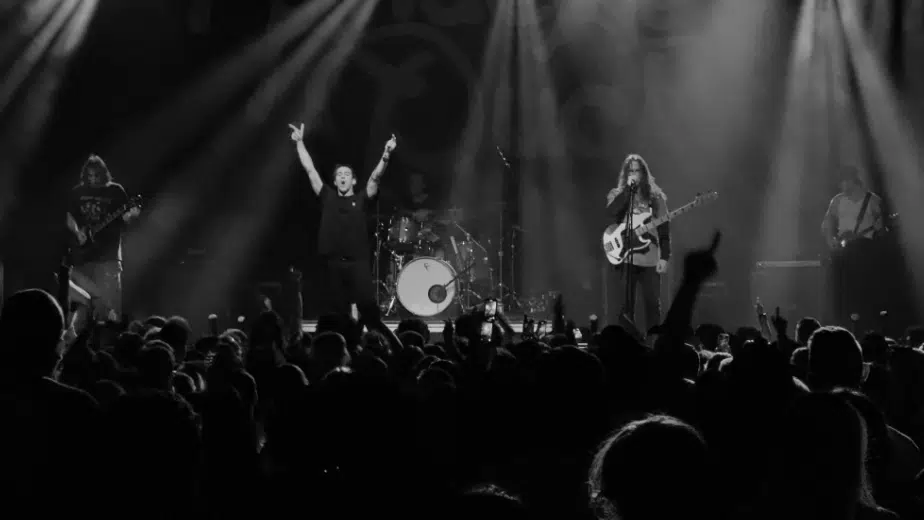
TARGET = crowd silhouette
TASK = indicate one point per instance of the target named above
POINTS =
(142, 420)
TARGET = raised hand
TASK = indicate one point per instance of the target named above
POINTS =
(294, 274)
(298, 132)
(81, 237)
(391, 144)
(779, 323)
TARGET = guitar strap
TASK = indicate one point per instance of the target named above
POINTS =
(862, 214)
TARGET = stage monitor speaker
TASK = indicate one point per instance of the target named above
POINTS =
(796, 287)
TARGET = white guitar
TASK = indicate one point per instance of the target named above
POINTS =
(643, 225)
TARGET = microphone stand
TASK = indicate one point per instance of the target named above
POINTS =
(500, 246)
(629, 308)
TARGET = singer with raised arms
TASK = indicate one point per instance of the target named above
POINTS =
(638, 196)
(343, 237)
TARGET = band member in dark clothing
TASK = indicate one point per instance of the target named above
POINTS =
(420, 204)
(98, 264)
(343, 239)
(647, 265)
(852, 228)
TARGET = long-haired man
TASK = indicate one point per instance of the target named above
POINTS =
(94, 199)
(644, 273)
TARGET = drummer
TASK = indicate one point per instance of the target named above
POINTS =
(421, 206)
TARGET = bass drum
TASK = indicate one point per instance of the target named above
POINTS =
(426, 286)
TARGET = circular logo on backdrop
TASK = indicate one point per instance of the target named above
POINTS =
(422, 75)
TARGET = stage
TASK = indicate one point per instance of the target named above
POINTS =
(435, 326)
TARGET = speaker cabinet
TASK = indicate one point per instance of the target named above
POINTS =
(796, 287)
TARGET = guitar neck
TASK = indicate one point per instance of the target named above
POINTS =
(110, 219)
(673, 214)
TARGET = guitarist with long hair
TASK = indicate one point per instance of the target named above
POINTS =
(647, 265)
(853, 220)
(98, 257)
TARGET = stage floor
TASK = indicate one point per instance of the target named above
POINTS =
(436, 326)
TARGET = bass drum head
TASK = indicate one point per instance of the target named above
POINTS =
(421, 283)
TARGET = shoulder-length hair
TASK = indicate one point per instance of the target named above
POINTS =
(649, 187)
(96, 164)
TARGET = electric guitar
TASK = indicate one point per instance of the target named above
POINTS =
(843, 240)
(91, 232)
(640, 237)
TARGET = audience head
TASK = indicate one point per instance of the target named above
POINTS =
(154, 322)
(175, 332)
(416, 325)
(412, 338)
(835, 359)
(805, 328)
(818, 470)
(488, 502)
(799, 361)
(183, 384)
(32, 332)
(652, 468)
(155, 366)
(914, 336)
(329, 351)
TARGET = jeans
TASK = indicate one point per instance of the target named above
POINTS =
(103, 280)
(647, 288)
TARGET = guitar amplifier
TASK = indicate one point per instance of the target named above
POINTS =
(797, 287)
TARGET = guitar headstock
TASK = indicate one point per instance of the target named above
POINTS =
(702, 198)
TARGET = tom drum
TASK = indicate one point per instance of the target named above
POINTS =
(402, 233)
(426, 286)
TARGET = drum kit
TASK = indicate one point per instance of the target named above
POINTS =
(432, 263)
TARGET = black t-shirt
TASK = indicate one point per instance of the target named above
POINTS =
(89, 206)
(344, 232)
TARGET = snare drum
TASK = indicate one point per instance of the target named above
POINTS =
(402, 233)
(426, 286)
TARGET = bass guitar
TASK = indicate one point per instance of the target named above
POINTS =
(640, 236)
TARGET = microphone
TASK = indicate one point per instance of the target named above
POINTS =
(632, 185)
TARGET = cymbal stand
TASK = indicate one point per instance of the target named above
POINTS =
(395, 265)
(500, 226)
(500, 258)
(467, 280)
(511, 291)
(376, 268)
